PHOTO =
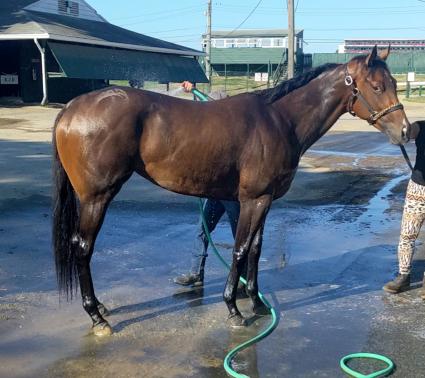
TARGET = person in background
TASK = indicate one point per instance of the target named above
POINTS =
(213, 211)
(413, 215)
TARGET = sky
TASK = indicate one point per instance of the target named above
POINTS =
(326, 23)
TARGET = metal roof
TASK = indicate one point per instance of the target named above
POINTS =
(251, 33)
(17, 23)
(248, 55)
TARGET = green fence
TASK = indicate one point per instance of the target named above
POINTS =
(399, 63)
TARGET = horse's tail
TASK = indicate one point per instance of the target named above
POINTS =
(65, 221)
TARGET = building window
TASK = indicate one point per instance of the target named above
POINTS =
(278, 42)
(230, 43)
(63, 6)
(266, 42)
(74, 8)
(219, 43)
(69, 7)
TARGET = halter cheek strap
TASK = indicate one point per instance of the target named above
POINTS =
(356, 94)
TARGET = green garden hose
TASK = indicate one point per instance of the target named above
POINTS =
(380, 373)
(275, 320)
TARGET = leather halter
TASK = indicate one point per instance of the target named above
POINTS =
(355, 93)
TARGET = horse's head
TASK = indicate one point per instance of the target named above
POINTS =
(374, 96)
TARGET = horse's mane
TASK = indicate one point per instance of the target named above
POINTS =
(272, 94)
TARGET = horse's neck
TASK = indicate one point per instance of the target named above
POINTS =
(314, 108)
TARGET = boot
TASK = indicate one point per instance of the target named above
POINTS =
(399, 284)
(192, 279)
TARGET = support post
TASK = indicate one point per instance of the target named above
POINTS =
(42, 50)
(208, 70)
(247, 77)
(291, 39)
(225, 77)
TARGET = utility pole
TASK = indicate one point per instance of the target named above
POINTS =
(291, 39)
(208, 48)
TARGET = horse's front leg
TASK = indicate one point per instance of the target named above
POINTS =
(252, 215)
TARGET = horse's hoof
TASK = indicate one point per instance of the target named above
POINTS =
(237, 321)
(102, 330)
(102, 309)
(261, 309)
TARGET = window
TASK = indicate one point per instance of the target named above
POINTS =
(266, 42)
(74, 9)
(278, 42)
(219, 42)
(69, 7)
(63, 6)
(230, 43)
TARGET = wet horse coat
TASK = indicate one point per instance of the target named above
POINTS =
(244, 148)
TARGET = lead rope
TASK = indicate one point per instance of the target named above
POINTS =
(406, 157)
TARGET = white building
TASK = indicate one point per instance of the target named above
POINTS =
(263, 38)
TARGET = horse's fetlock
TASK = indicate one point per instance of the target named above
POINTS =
(89, 303)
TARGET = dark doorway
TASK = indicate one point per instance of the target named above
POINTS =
(10, 80)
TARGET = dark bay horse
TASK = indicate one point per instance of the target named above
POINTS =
(244, 148)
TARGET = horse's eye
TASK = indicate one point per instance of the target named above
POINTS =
(377, 88)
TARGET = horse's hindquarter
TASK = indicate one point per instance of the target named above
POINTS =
(193, 148)
(96, 139)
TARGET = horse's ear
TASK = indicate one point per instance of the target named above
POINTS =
(384, 54)
(372, 56)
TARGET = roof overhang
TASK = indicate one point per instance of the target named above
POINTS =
(90, 62)
(89, 41)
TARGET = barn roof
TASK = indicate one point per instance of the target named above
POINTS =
(20, 19)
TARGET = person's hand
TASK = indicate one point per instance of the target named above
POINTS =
(187, 86)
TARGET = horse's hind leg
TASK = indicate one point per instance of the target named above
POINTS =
(259, 307)
(92, 213)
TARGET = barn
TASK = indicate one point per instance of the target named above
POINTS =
(54, 50)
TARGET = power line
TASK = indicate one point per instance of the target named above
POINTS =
(246, 18)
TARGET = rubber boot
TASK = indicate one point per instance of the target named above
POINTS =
(399, 284)
(188, 279)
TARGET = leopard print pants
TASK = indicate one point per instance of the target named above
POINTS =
(413, 217)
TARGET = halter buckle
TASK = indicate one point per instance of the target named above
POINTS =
(348, 80)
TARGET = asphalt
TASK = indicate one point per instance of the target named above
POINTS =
(329, 246)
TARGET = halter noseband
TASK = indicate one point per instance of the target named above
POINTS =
(355, 93)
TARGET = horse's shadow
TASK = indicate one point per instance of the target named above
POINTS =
(353, 273)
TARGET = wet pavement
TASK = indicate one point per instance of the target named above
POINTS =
(329, 246)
